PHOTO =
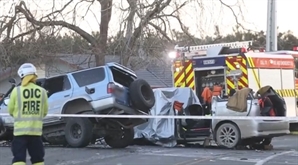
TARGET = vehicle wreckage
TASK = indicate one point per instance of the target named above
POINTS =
(225, 133)
(110, 89)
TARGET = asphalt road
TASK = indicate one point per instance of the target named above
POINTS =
(285, 153)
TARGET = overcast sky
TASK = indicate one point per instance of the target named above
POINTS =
(199, 21)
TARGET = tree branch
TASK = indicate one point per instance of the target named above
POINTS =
(161, 32)
(234, 14)
(23, 9)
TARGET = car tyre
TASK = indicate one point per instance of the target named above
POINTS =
(124, 139)
(141, 95)
(78, 132)
(227, 135)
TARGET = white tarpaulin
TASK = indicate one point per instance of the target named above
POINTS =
(162, 131)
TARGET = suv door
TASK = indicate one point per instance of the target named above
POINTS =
(57, 99)
(95, 78)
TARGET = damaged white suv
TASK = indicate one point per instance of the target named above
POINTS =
(110, 89)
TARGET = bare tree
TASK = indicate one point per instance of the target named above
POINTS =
(50, 20)
(144, 18)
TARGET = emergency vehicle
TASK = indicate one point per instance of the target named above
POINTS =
(294, 53)
(235, 66)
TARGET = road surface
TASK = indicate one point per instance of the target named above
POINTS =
(285, 153)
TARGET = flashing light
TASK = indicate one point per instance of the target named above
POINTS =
(295, 48)
(237, 66)
(172, 55)
(177, 69)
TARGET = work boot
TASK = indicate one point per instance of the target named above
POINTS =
(207, 142)
(268, 147)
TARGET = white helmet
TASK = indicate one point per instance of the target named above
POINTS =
(26, 69)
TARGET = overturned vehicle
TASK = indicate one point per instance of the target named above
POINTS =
(111, 90)
(224, 132)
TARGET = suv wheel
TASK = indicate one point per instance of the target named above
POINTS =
(141, 95)
(228, 135)
(121, 138)
(78, 132)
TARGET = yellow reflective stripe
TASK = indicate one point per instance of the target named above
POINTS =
(40, 163)
(19, 103)
(30, 129)
(20, 118)
(43, 96)
(28, 119)
(19, 163)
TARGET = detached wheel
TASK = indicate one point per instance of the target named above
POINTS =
(228, 135)
(78, 132)
(120, 138)
(141, 95)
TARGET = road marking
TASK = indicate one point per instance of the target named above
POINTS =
(186, 155)
(198, 161)
(240, 160)
(262, 162)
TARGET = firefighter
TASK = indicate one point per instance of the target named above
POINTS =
(266, 109)
(217, 89)
(28, 105)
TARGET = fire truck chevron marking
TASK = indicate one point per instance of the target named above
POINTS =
(232, 63)
(190, 76)
(185, 76)
(243, 79)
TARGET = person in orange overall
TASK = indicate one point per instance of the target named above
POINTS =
(207, 96)
(217, 89)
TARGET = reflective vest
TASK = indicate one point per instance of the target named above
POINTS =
(216, 90)
(28, 105)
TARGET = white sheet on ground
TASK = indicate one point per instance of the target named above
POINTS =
(162, 131)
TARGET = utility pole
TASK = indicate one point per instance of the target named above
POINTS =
(271, 35)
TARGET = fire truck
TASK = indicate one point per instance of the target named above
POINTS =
(294, 53)
(235, 65)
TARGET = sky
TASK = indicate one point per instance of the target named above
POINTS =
(200, 21)
(254, 14)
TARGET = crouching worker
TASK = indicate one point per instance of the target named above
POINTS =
(28, 105)
(266, 109)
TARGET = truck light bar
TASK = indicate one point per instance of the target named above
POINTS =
(242, 44)
(212, 49)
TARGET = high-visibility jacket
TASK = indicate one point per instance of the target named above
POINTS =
(216, 90)
(206, 95)
(28, 105)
